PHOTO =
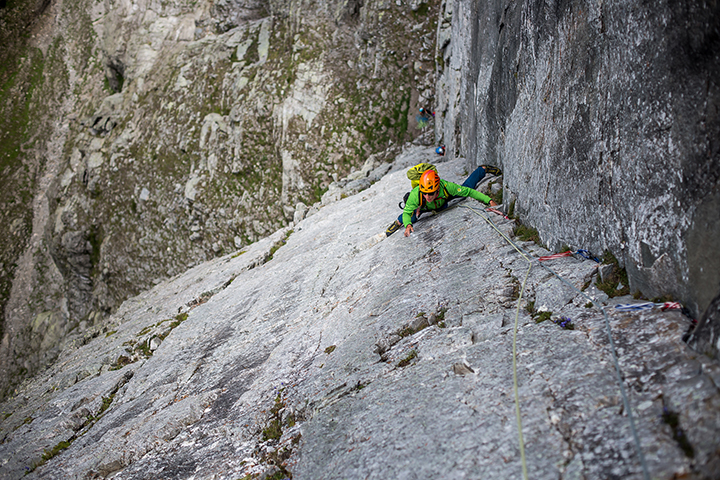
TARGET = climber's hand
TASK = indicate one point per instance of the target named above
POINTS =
(408, 230)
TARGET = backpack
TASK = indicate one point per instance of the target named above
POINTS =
(416, 172)
(414, 175)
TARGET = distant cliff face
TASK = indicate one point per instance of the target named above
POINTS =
(175, 132)
(605, 119)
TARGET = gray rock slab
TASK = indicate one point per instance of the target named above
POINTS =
(273, 363)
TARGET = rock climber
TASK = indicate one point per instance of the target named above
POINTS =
(425, 112)
(433, 194)
(440, 150)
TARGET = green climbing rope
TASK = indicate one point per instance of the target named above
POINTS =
(626, 401)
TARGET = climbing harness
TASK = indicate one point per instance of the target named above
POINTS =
(626, 401)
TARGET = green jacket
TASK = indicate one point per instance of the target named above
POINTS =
(448, 190)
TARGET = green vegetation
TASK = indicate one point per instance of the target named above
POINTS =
(515, 294)
(496, 197)
(359, 386)
(17, 109)
(55, 450)
(145, 330)
(27, 421)
(330, 349)
(279, 244)
(530, 308)
(121, 362)
(318, 193)
(91, 419)
(141, 349)
(106, 401)
(273, 430)
(406, 361)
(400, 115)
(542, 316)
(48, 454)
(511, 209)
(617, 277)
(421, 12)
(389, 127)
(406, 331)
(179, 318)
(21, 80)
(526, 234)
(252, 55)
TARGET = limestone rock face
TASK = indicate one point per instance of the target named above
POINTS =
(604, 118)
(329, 351)
(707, 337)
(176, 132)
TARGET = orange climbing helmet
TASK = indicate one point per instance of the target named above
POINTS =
(429, 182)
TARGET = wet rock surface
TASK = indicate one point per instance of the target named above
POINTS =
(329, 351)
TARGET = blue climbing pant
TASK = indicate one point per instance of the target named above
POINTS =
(470, 182)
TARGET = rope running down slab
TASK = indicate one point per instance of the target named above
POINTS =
(626, 401)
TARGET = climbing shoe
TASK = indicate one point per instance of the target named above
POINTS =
(394, 227)
(492, 170)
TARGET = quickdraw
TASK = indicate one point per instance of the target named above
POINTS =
(635, 307)
(623, 394)
(587, 254)
(494, 210)
(631, 307)
(583, 253)
(556, 255)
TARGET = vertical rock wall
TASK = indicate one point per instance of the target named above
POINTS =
(604, 117)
